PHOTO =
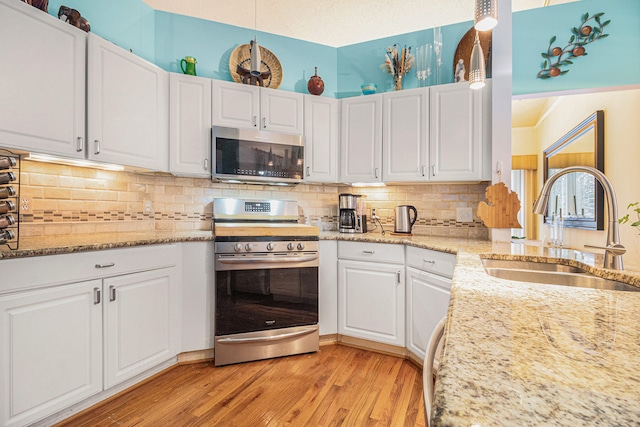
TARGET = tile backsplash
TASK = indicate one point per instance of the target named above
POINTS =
(60, 199)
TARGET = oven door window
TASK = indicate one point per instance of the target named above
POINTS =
(257, 300)
(263, 159)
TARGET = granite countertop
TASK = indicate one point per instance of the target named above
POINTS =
(63, 244)
(515, 353)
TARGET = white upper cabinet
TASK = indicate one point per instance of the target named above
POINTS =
(282, 111)
(235, 105)
(405, 146)
(361, 139)
(251, 107)
(321, 138)
(128, 108)
(42, 95)
(460, 142)
(190, 125)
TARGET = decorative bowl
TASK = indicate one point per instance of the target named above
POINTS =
(369, 88)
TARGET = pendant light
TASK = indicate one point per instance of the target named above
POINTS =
(255, 60)
(486, 16)
(477, 72)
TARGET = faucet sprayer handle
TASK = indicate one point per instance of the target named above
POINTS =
(614, 249)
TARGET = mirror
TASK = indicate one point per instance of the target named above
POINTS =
(577, 196)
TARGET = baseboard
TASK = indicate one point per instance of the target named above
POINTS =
(328, 339)
(392, 350)
(196, 356)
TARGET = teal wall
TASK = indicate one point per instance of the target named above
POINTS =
(211, 43)
(129, 24)
(613, 61)
(360, 63)
(165, 38)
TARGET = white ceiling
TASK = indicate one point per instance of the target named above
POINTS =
(334, 22)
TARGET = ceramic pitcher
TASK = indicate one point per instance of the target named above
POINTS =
(188, 65)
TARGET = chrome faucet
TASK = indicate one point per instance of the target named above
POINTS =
(613, 250)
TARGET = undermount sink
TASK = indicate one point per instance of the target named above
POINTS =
(551, 274)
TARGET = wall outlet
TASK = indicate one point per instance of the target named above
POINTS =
(24, 203)
(464, 215)
(373, 213)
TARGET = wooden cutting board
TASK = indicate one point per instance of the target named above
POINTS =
(502, 212)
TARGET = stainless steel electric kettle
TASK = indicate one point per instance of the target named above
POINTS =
(404, 222)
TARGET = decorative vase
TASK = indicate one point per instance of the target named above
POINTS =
(397, 82)
(315, 86)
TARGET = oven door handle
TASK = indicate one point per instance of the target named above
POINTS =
(274, 260)
(269, 338)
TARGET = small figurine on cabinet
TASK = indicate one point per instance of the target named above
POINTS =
(460, 71)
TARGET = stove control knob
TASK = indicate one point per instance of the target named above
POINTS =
(290, 246)
(237, 247)
(300, 246)
(270, 246)
(248, 246)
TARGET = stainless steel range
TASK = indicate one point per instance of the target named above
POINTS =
(266, 281)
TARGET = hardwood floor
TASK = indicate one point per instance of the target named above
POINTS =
(338, 386)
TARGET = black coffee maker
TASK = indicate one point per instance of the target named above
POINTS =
(352, 217)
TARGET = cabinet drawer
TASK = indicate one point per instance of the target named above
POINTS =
(34, 272)
(435, 262)
(378, 252)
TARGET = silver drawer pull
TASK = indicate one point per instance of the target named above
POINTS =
(369, 252)
(111, 264)
(428, 261)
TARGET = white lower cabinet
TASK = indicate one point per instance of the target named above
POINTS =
(427, 303)
(328, 287)
(62, 342)
(139, 323)
(428, 287)
(50, 350)
(371, 292)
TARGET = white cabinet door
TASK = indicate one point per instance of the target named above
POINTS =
(371, 301)
(427, 303)
(190, 125)
(321, 138)
(128, 108)
(282, 111)
(251, 107)
(50, 350)
(42, 95)
(459, 126)
(140, 321)
(361, 139)
(235, 105)
(328, 287)
(405, 143)
(198, 295)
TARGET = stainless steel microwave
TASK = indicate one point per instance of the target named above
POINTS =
(244, 155)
